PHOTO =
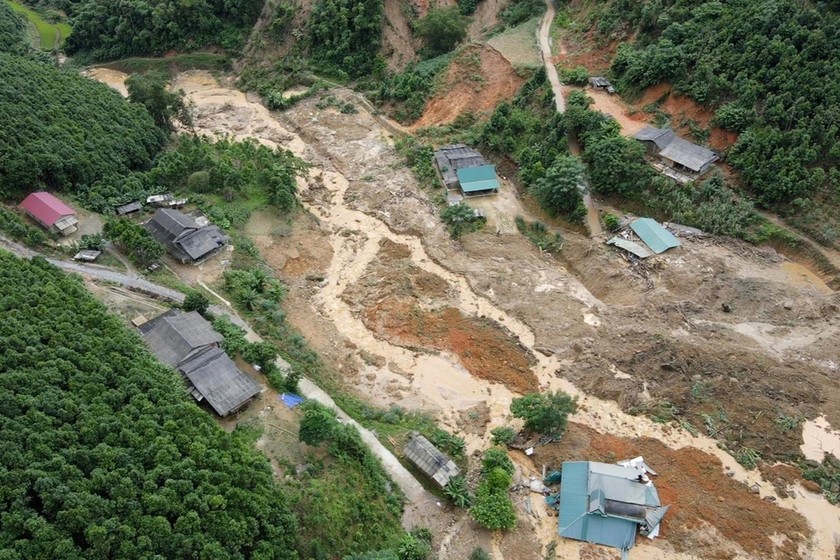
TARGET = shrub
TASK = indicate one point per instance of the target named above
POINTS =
(413, 547)
(457, 491)
(196, 301)
(496, 458)
(461, 219)
(442, 29)
(479, 553)
(611, 221)
(545, 413)
(493, 509)
(317, 424)
(578, 76)
(503, 435)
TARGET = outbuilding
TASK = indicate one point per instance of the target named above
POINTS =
(129, 208)
(50, 212)
(430, 460)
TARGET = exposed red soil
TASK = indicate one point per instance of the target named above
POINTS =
(410, 307)
(697, 489)
(475, 82)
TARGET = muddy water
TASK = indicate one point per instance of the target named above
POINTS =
(355, 239)
(801, 276)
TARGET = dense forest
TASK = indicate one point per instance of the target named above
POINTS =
(104, 454)
(345, 36)
(12, 31)
(110, 29)
(61, 130)
(769, 69)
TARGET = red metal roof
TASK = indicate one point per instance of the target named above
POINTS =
(46, 208)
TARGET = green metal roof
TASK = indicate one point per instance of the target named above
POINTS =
(480, 178)
(604, 504)
(654, 235)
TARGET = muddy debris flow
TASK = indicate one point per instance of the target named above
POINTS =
(356, 191)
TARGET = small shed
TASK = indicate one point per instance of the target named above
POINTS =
(50, 212)
(480, 180)
(599, 82)
(87, 255)
(129, 208)
(654, 235)
(430, 460)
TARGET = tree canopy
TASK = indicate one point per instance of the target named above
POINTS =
(546, 413)
(110, 29)
(12, 31)
(61, 130)
(769, 68)
(103, 454)
(345, 36)
(150, 90)
(442, 29)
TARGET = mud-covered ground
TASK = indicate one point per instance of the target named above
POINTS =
(405, 315)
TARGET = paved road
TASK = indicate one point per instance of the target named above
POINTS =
(545, 53)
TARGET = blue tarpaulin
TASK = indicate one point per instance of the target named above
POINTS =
(291, 400)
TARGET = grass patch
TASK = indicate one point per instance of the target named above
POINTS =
(52, 34)
(540, 235)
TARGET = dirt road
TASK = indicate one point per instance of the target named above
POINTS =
(545, 54)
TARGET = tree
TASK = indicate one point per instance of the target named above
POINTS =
(460, 219)
(492, 508)
(616, 165)
(318, 423)
(195, 301)
(442, 29)
(413, 548)
(149, 90)
(503, 435)
(559, 191)
(545, 413)
(496, 458)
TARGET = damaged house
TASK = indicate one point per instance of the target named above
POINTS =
(183, 237)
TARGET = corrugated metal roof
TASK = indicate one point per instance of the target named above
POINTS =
(654, 235)
(430, 460)
(175, 337)
(129, 208)
(46, 208)
(604, 504)
(481, 178)
(183, 237)
(630, 246)
(688, 155)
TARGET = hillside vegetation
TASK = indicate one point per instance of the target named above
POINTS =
(767, 68)
(61, 130)
(103, 453)
(12, 31)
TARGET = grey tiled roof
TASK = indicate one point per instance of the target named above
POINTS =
(430, 460)
(175, 337)
(183, 237)
(217, 379)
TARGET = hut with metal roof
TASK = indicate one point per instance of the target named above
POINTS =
(50, 212)
(129, 208)
(654, 235)
(187, 342)
(430, 460)
(675, 152)
(464, 168)
(608, 504)
(184, 239)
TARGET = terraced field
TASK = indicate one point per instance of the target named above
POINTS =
(52, 34)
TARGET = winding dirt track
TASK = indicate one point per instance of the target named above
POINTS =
(545, 53)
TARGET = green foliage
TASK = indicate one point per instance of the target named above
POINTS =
(612, 222)
(767, 65)
(244, 170)
(747, 457)
(150, 90)
(92, 241)
(133, 238)
(460, 219)
(545, 413)
(479, 553)
(496, 458)
(467, 7)
(63, 130)
(827, 475)
(442, 29)
(503, 435)
(52, 33)
(411, 88)
(254, 289)
(12, 31)
(14, 227)
(616, 165)
(316, 424)
(787, 423)
(345, 36)
(196, 301)
(107, 454)
(520, 11)
(539, 235)
(578, 76)
(559, 191)
(419, 156)
(413, 548)
(711, 206)
(493, 509)
(108, 30)
(458, 492)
